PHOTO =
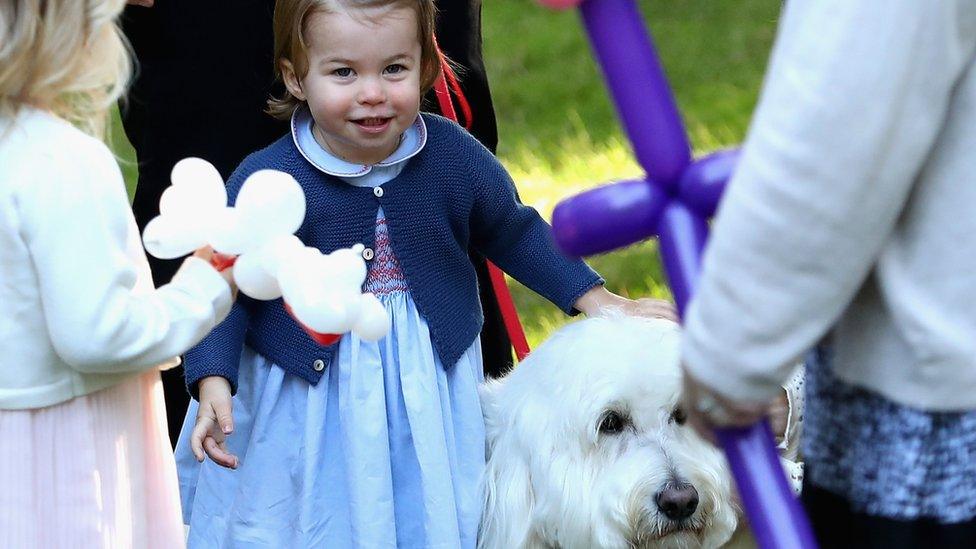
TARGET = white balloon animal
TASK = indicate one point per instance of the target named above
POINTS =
(323, 292)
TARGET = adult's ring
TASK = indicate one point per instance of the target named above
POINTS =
(709, 407)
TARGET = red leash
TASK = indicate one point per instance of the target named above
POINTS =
(504, 297)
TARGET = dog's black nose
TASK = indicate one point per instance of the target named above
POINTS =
(678, 500)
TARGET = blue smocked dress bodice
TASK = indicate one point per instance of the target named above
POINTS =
(385, 276)
(386, 451)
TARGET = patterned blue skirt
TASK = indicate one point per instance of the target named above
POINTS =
(886, 459)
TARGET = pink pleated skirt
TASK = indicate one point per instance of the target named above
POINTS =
(94, 472)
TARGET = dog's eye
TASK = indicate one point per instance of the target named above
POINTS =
(612, 423)
(678, 415)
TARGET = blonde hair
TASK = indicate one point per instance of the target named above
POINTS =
(65, 56)
(291, 16)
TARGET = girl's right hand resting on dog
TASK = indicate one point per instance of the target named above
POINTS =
(214, 422)
(599, 300)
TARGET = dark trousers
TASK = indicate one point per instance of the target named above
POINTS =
(837, 526)
(205, 73)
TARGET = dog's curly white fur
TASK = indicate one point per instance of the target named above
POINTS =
(587, 448)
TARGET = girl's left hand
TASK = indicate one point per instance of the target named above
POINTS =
(599, 300)
(215, 422)
(650, 308)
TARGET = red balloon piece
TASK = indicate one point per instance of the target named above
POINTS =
(322, 339)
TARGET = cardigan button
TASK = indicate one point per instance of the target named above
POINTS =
(378, 192)
(368, 254)
(318, 365)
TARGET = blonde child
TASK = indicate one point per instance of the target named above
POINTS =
(84, 458)
(366, 444)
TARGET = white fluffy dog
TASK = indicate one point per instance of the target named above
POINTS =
(588, 449)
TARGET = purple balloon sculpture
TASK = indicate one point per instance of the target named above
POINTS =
(673, 202)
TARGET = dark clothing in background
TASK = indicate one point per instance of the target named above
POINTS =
(838, 526)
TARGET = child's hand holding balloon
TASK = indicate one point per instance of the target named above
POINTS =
(222, 263)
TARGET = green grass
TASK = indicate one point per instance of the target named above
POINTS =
(558, 131)
(124, 152)
(545, 82)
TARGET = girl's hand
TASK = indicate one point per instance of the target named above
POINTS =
(207, 254)
(214, 422)
(650, 308)
(598, 300)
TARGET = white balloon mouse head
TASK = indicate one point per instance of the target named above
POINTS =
(193, 211)
(270, 205)
(186, 210)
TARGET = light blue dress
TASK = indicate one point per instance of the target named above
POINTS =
(386, 451)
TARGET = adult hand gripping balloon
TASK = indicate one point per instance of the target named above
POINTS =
(322, 292)
(673, 202)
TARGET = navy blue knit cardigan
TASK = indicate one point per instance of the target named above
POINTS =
(453, 195)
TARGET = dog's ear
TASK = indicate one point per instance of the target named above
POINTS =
(491, 408)
(508, 502)
(507, 505)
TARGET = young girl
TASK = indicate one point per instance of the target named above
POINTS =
(366, 444)
(84, 458)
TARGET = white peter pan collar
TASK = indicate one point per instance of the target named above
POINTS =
(414, 139)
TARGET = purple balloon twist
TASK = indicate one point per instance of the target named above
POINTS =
(673, 202)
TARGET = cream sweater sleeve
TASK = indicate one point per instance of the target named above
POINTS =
(100, 308)
(855, 97)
